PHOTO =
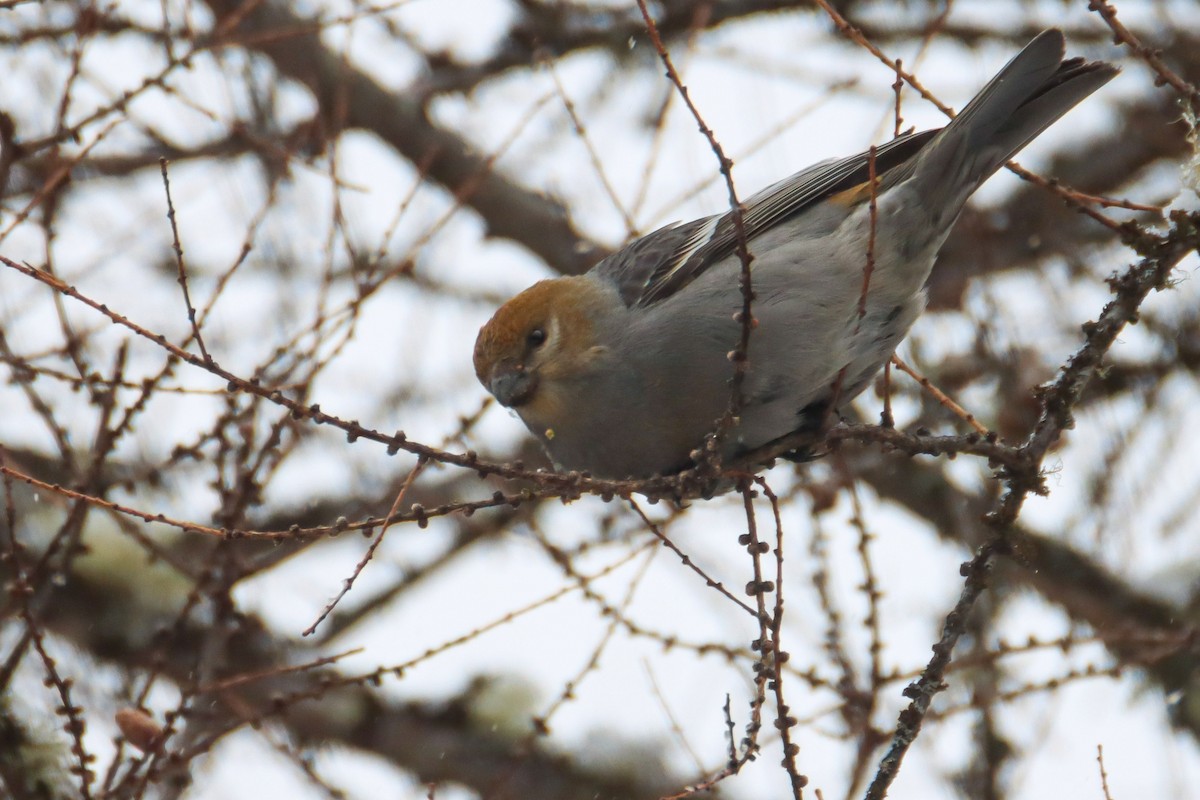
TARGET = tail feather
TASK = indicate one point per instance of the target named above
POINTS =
(1074, 80)
(1028, 95)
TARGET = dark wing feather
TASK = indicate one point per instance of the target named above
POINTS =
(633, 268)
(663, 262)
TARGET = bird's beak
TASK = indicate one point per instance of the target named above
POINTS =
(512, 384)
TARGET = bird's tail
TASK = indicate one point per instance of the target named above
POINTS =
(1027, 96)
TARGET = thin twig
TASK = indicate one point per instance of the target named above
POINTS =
(942, 398)
(178, 248)
(348, 583)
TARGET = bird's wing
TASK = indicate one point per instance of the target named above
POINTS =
(661, 263)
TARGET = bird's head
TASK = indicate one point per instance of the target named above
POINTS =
(538, 342)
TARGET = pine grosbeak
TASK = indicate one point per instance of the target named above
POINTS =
(623, 372)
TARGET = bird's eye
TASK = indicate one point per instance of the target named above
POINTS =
(536, 338)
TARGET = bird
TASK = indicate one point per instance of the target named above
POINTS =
(626, 371)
